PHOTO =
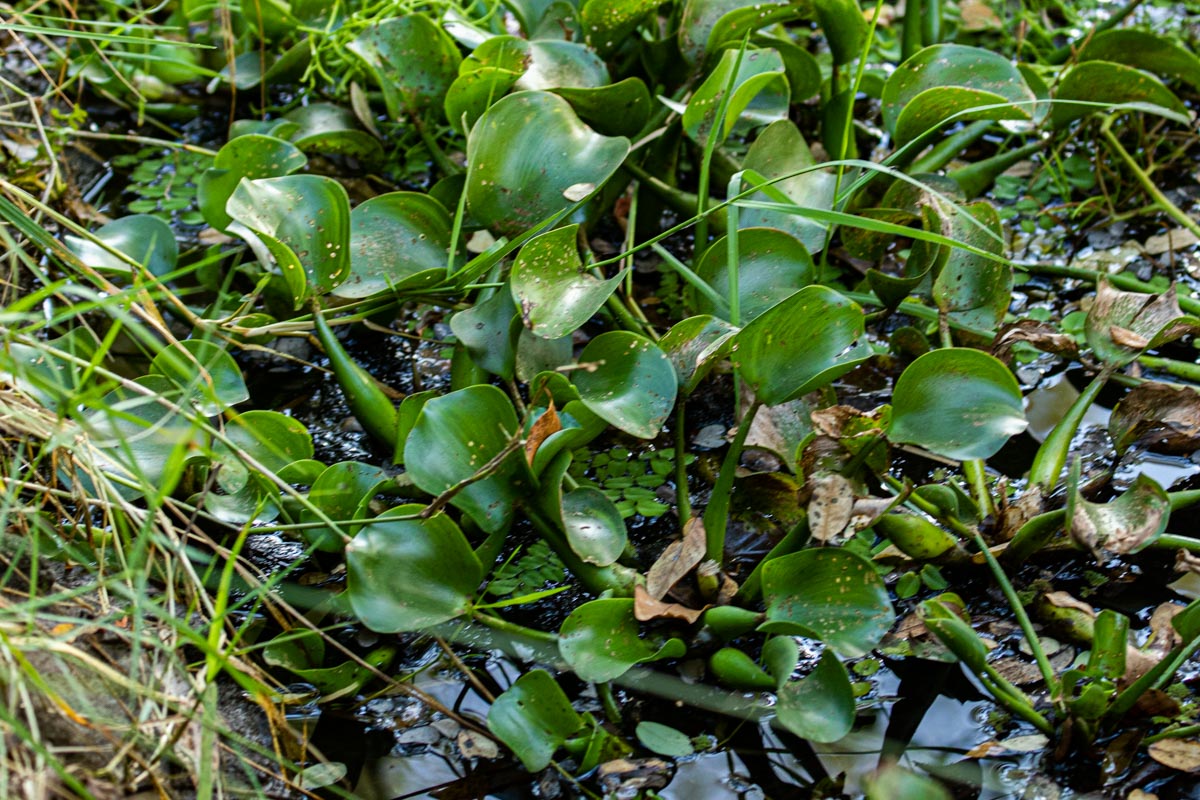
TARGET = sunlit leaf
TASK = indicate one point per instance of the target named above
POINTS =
(145, 239)
(413, 61)
(557, 295)
(600, 641)
(628, 381)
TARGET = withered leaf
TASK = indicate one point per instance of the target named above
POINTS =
(677, 560)
(1178, 754)
(542, 429)
(1161, 418)
(831, 505)
(1124, 525)
(1038, 334)
(646, 608)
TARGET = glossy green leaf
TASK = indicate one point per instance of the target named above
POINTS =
(342, 493)
(951, 80)
(1104, 83)
(554, 64)
(1143, 50)
(695, 346)
(780, 655)
(457, 435)
(472, 93)
(600, 641)
(607, 23)
(801, 344)
(514, 184)
(759, 96)
(1120, 326)
(251, 156)
(413, 61)
(828, 594)
(534, 718)
(1124, 525)
(820, 706)
(489, 331)
(845, 28)
(781, 150)
(304, 220)
(960, 638)
(958, 403)
(716, 21)
(398, 241)
(972, 289)
(618, 109)
(271, 439)
(409, 574)
(733, 23)
(663, 739)
(333, 130)
(627, 381)
(594, 527)
(53, 380)
(771, 266)
(206, 372)
(557, 295)
(144, 238)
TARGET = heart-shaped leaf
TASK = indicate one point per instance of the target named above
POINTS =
(845, 29)
(801, 344)
(607, 23)
(514, 184)
(342, 493)
(771, 266)
(972, 289)
(398, 241)
(333, 130)
(304, 220)
(206, 372)
(594, 526)
(271, 439)
(820, 706)
(413, 61)
(1144, 50)
(628, 381)
(534, 718)
(457, 436)
(600, 641)
(759, 95)
(1093, 85)
(556, 294)
(145, 239)
(951, 80)
(781, 150)
(409, 574)
(828, 594)
(618, 109)
(473, 92)
(251, 156)
(554, 64)
(489, 331)
(957, 402)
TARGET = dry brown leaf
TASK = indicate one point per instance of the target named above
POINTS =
(472, 744)
(1161, 418)
(677, 560)
(646, 608)
(830, 508)
(543, 428)
(978, 16)
(1039, 334)
(1127, 338)
(1176, 239)
(1178, 754)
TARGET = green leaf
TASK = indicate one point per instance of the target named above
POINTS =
(489, 331)
(1124, 525)
(971, 289)
(273, 440)
(957, 402)
(952, 631)
(456, 436)
(1104, 84)
(695, 346)
(759, 95)
(950, 80)
(1143, 50)
(704, 24)
(780, 655)
(555, 64)
(607, 23)
(827, 594)
(781, 150)
(333, 130)
(534, 718)
(413, 61)
(409, 574)
(628, 382)
(472, 93)
(144, 238)
(304, 220)
(514, 184)
(801, 344)
(594, 526)
(557, 295)
(845, 28)
(663, 739)
(733, 24)
(893, 782)
(399, 241)
(771, 266)
(342, 492)
(205, 371)
(618, 109)
(251, 156)
(600, 641)
(820, 706)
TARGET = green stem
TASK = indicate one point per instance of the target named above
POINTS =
(1160, 199)
(1188, 370)
(931, 22)
(716, 516)
(977, 177)
(716, 135)
(501, 624)
(949, 148)
(1052, 455)
(976, 473)
(910, 41)
(683, 497)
